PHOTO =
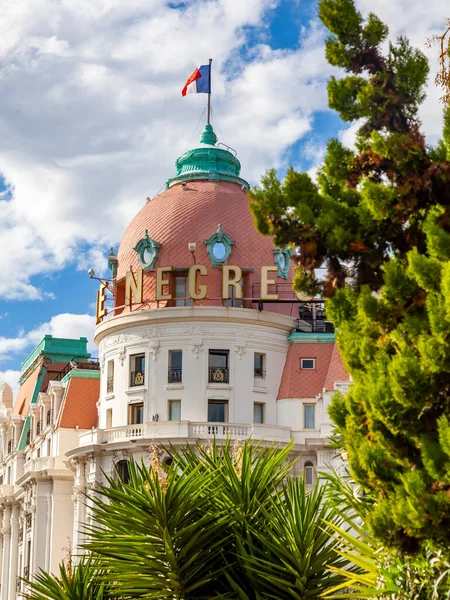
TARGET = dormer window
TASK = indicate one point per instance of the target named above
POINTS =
(282, 258)
(219, 247)
(147, 251)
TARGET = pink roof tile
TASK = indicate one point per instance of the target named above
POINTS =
(308, 383)
(192, 214)
(79, 405)
(26, 392)
(336, 372)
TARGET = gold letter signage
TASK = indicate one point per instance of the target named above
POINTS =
(228, 281)
(197, 292)
(160, 282)
(265, 282)
(133, 288)
(101, 299)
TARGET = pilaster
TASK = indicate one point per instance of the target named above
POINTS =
(14, 520)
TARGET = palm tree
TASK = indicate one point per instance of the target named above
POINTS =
(219, 522)
(75, 582)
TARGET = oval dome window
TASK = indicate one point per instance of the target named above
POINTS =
(219, 250)
(148, 256)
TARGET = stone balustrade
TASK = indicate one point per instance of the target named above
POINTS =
(159, 430)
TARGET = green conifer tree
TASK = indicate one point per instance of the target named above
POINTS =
(378, 221)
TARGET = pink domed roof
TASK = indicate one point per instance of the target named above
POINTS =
(192, 214)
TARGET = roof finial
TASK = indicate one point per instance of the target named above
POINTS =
(208, 136)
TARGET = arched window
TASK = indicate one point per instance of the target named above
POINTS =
(122, 471)
(309, 473)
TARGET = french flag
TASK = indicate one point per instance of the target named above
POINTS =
(199, 82)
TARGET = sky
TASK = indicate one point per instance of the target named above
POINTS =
(92, 120)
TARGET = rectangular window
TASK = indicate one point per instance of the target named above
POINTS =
(308, 363)
(218, 366)
(110, 378)
(309, 473)
(137, 370)
(174, 410)
(259, 365)
(309, 414)
(175, 374)
(217, 411)
(258, 412)
(136, 413)
(109, 418)
(181, 294)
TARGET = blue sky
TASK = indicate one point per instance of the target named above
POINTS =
(92, 120)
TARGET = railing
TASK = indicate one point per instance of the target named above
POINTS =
(218, 375)
(49, 419)
(128, 432)
(310, 324)
(259, 380)
(136, 378)
(188, 430)
(110, 385)
(91, 365)
(175, 376)
(39, 427)
(10, 446)
(221, 430)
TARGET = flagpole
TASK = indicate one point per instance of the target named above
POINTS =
(208, 118)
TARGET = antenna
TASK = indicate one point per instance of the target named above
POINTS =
(208, 117)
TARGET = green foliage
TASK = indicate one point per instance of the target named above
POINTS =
(219, 522)
(383, 575)
(83, 581)
(378, 222)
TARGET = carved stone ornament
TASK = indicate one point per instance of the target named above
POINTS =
(154, 348)
(122, 355)
(197, 346)
(239, 347)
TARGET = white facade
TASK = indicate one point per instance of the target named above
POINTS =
(182, 360)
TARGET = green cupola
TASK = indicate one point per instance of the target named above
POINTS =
(208, 161)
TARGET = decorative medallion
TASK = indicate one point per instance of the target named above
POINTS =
(283, 261)
(147, 251)
(197, 346)
(218, 375)
(219, 247)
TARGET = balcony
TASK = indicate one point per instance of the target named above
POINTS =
(49, 419)
(219, 375)
(164, 430)
(175, 376)
(110, 385)
(260, 379)
(43, 463)
(136, 378)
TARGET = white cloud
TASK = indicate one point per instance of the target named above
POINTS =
(92, 119)
(65, 325)
(91, 116)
